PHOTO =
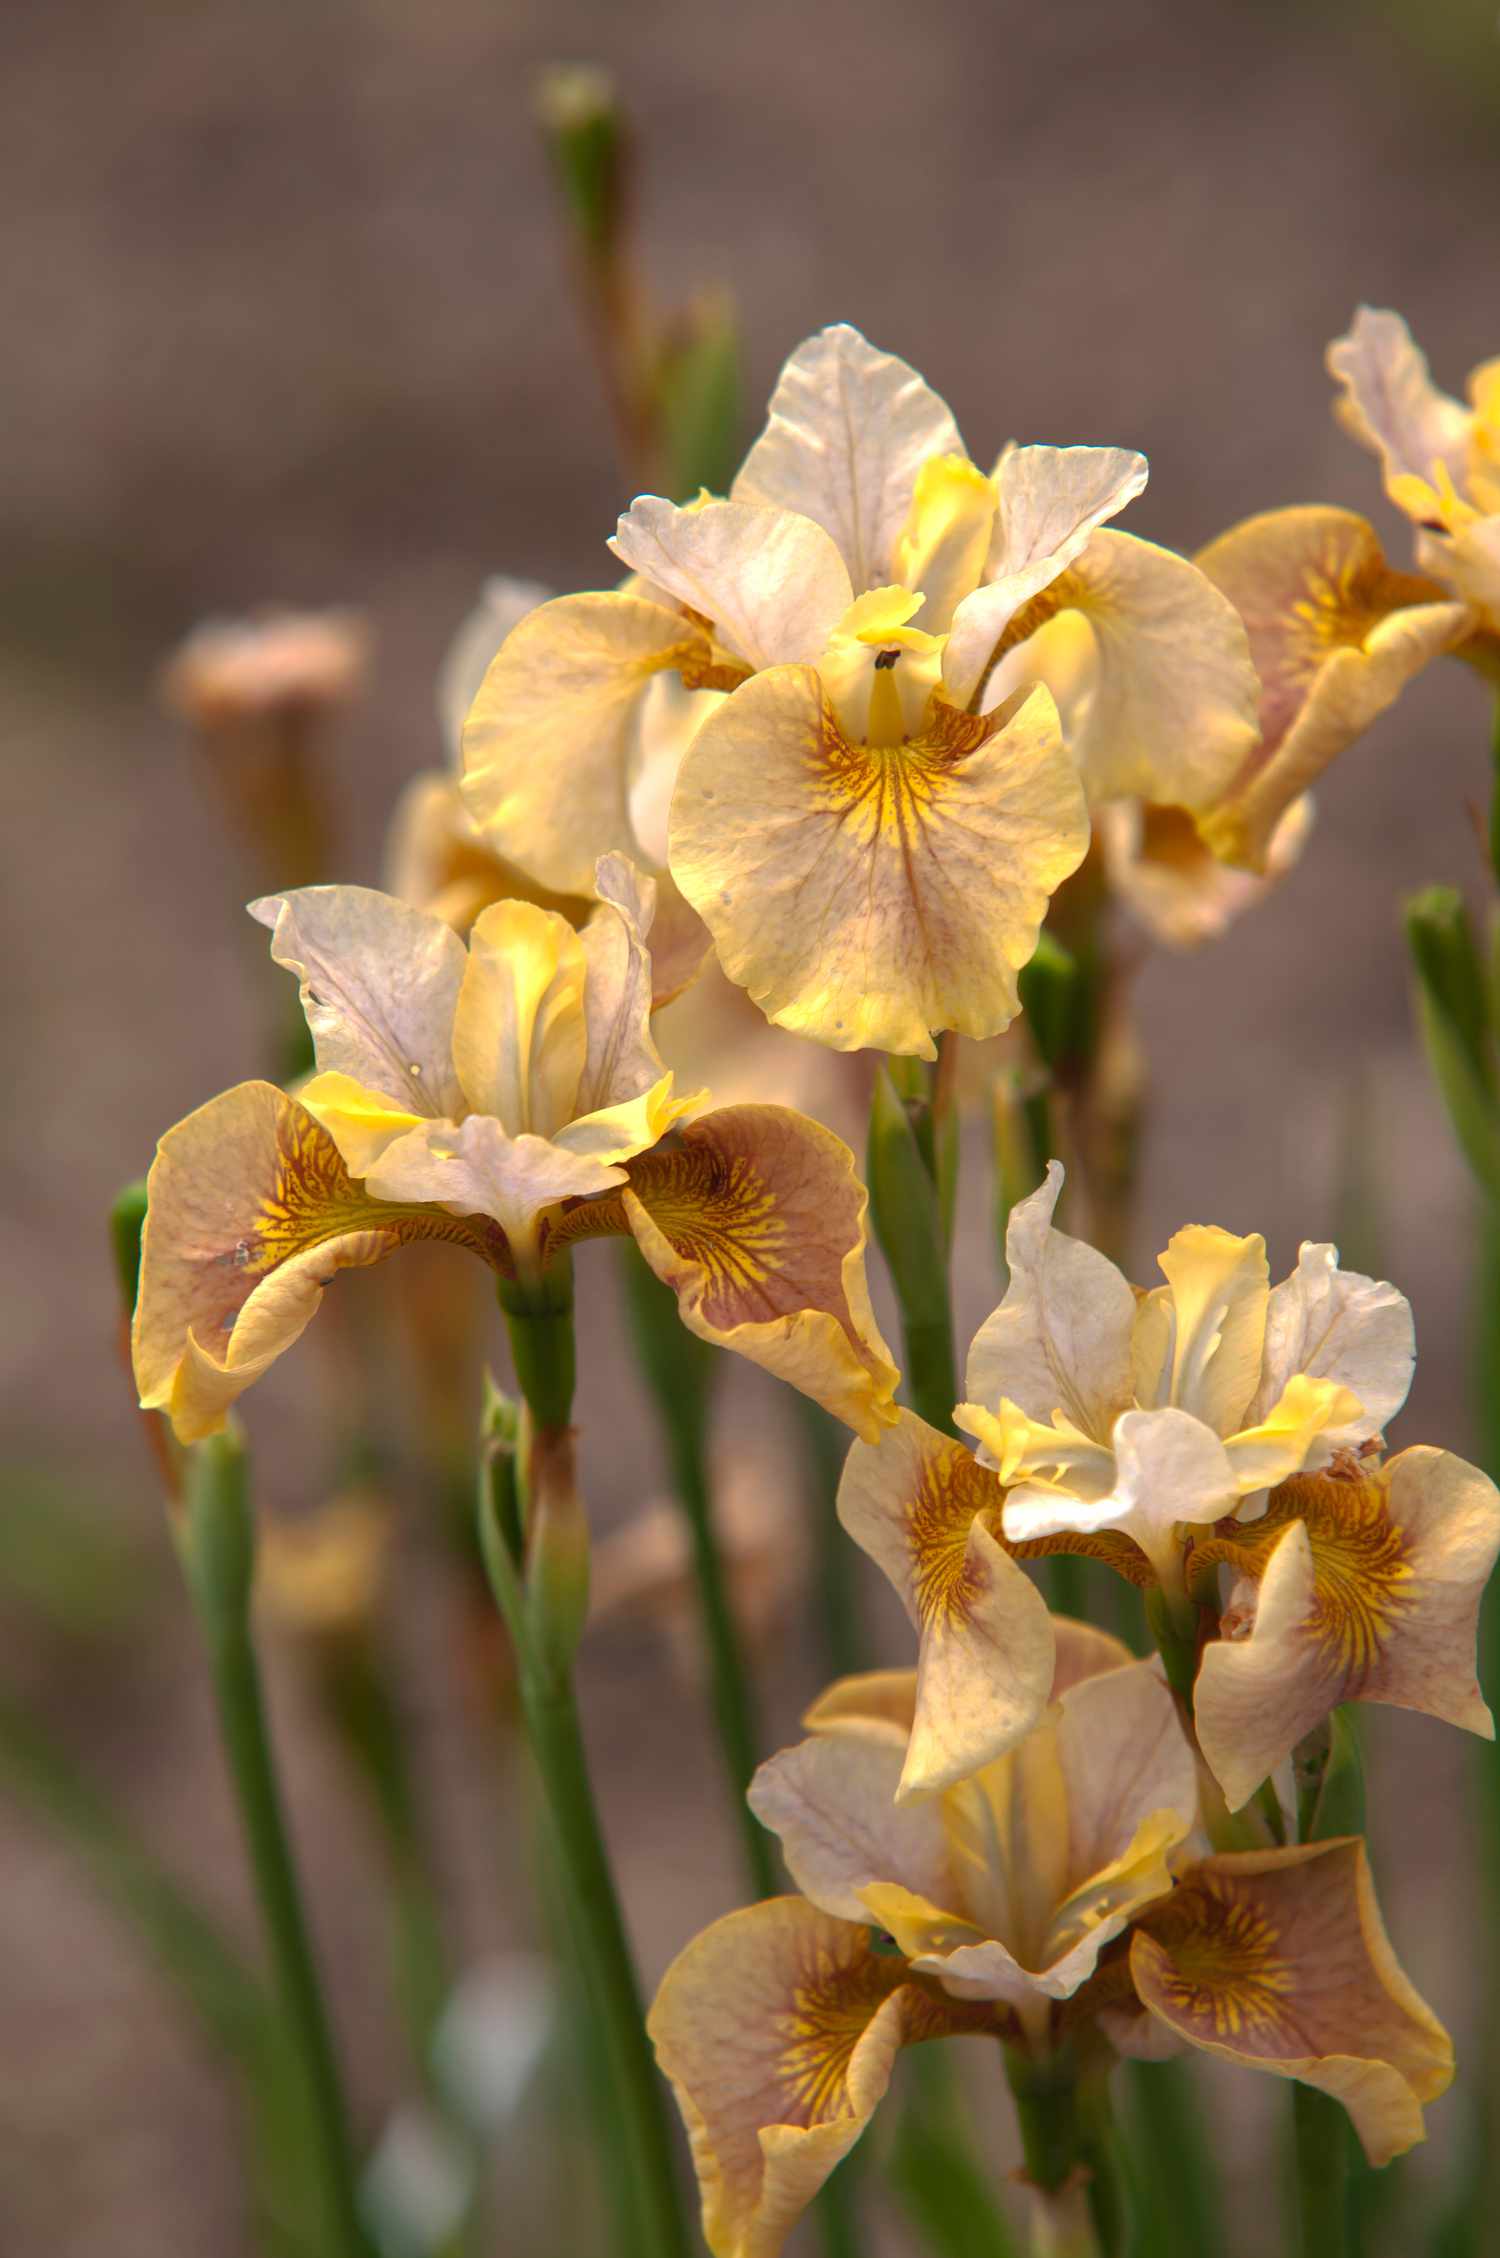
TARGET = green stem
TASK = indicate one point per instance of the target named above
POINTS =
(1181, 2197)
(1055, 2145)
(542, 1592)
(836, 1565)
(679, 1371)
(218, 1544)
(1321, 2133)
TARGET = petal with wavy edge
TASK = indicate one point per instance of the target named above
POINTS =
(379, 983)
(876, 1705)
(1295, 1436)
(251, 1214)
(1389, 402)
(1060, 1340)
(1168, 1467)
(1199, 1340)
(1335, 635)
(622, 1059)
(1050, 501)
(849, 429)
(922, 1508)
(831, 1802)
(862, 894)
(1334, 1324)
(503, 603)
(550, 738)
(1278, 1959)
(1354, 1587)
(474, 1168)
(519, 1039)
(1167, 709)
(361, 1122)
(771, 581)
(757, 1223)
(778, 2028)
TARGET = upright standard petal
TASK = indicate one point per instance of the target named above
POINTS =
(1060, 1340)
(1333, 1324)
(379, 983)
(251, 1213)
(1050, 501)
(1278, 1959)
(757, 1223)
(849, 429)
(503, 604)
(778, 2028)
(772, 582)
(622, 1060)
(519, 1040)
(867, 894)
(918, 1503)
(1357, 1585)
(1170, 709)
(1390, 404)
(831, 1802)
(1199, 1340)
(549, 739)
(1335, 636)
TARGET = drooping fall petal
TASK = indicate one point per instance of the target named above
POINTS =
(778, 2028)
(251, 1213)
(1278, 1960)
(757, 1223)
(921, 1506)
(867, 894)
(848, 431)
(549, 739)
(1357, 1585)
(1335, 635)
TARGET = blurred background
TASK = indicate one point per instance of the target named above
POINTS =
(291, 319)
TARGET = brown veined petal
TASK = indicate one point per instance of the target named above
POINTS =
(1356, 1586)
(778, 2028)
(549, 739)
(757, 1223)
(1278, 1959)
(929, 1516)
(251, 1213)
(867, 894)
(1335, 635)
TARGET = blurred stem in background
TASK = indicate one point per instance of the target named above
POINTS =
(679, 1370)
(1458, 1011)
(535, 1541)
(216, 1540)
(671, 381)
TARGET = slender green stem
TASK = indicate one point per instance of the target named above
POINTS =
(1182, 2200)
(542, 1592)
(679, 1371)
(218, 1552)
(835, 1563)
(1321, 2133)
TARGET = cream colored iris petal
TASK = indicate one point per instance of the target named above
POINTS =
(831, 1802)
(1050, 501)
(1159, 867)
(757, 1223)
(1294, 1435)
(1389, 402)
(917, 1503)
(772, 582)
(622, 1060)
(866, 895)
(1060, 1340)
(1371, 1594)
(1335, 636)
(379, 983)
(503, 603)
(1125, 1758)
(946, 539)
(519, 1039)
(473, 1167)
(1278, 1960)
(848, 431)
(778, 2028)
(669, 719)
(1199, 1340)
(550, 737)
(1168, 1468)
(1172, 713)
(251, 1213)
(1473, 566)
(1334, 1324)
(876, 1705)
(619, 1132)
